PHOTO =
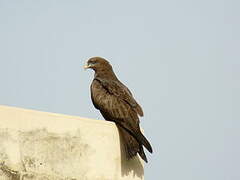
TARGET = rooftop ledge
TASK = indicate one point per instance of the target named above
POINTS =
(41, 145)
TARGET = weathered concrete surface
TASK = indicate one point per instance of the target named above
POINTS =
(47, 146)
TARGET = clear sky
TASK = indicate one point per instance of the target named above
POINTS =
(181, 59)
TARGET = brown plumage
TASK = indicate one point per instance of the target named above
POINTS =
(116, 103)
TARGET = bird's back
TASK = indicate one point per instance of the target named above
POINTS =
(117, 109)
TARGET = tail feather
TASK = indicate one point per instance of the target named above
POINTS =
(142, 154)
(139, 136)
(144, 141)
(131, 145)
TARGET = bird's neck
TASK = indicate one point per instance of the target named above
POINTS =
(105, 74)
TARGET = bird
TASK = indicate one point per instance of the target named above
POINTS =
(117, 104)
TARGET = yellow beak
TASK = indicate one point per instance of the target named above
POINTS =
(86, 66)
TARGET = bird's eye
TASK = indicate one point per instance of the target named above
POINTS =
(92, 62)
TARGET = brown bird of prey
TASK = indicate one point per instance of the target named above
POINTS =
(117, 104)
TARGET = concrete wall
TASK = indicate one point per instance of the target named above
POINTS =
(47, 146)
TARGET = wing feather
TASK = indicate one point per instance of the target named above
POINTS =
(119, 90)
(115, 105)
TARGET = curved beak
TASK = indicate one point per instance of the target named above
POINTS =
(86, 66)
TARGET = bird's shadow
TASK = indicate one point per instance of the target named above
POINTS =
(132, 165)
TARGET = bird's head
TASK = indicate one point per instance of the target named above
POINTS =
(98, 64)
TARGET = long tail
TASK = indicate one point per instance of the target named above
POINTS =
(131, 145)
(136, 132)
(143, 140)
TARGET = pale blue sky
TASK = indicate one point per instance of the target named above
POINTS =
(181, 59)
